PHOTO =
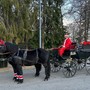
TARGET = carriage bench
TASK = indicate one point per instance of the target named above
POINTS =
(83, 53)
(85, 50)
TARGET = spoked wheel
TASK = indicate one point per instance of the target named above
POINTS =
(88, 65)
(81, 64)
(69, 69)
(55, 66)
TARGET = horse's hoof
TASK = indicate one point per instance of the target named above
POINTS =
(46, 78)
(37, 75)
(20, 81)
(15, 79)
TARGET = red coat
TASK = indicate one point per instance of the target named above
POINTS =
(2, 42)
(67, 43)
(86, 43)
(66, 46)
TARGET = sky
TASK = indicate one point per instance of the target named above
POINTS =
(67, 19)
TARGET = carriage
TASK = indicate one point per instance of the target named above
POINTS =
(66, 63)
(82, 57)
(72, 60)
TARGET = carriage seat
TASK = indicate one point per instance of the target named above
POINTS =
(66, 54)
(86, 46)
(73, 46)
(85, 50)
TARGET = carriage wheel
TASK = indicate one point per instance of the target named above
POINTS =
(88, 65)
(81, 64)
(69, 69)
(55, 66)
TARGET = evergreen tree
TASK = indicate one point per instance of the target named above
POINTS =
(20, 21)
(53, 25)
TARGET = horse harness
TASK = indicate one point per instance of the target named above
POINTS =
(24, 58)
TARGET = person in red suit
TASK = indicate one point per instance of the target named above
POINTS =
(66, 45)
(2, 46)
(2, 42)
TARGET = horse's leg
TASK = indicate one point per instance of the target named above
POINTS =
(18, 63)
(38, 69)
(44, 59)
(19, 73)
(14, 69)
(47, 70)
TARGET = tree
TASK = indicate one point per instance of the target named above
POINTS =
(20, 21)
(52, 23)
(80, 11)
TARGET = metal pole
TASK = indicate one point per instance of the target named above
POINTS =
(40, 38)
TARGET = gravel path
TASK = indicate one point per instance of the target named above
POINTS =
(57, 81)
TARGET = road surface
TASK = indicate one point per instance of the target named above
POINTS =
(57, 81)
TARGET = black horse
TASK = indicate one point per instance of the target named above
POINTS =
(26, 57)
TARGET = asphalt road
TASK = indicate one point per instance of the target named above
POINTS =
(57, 81)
